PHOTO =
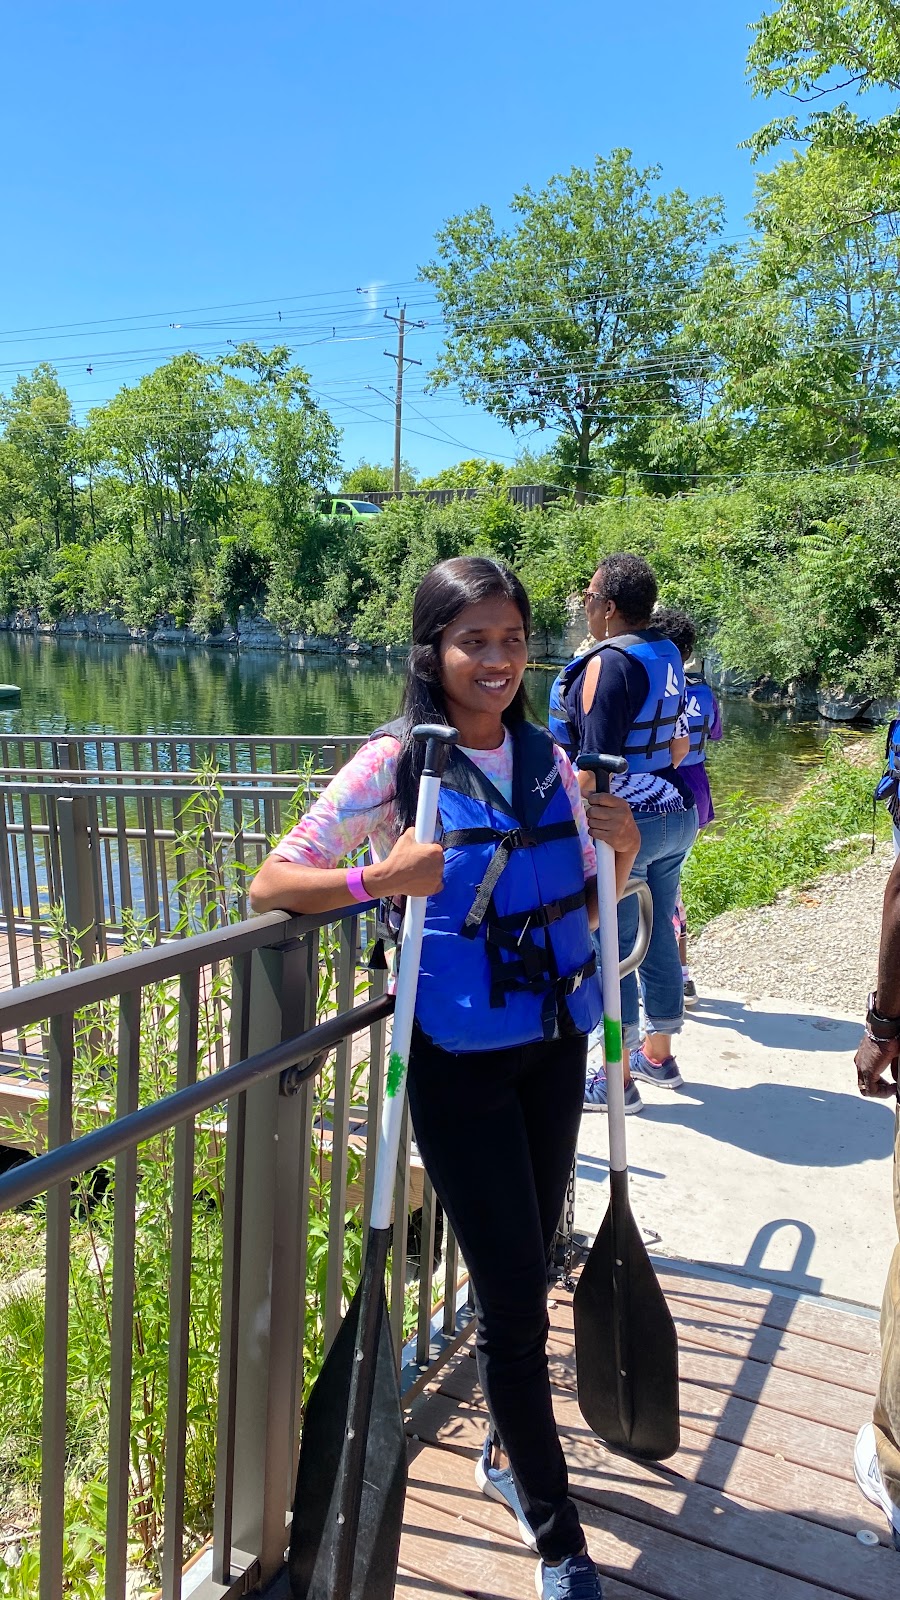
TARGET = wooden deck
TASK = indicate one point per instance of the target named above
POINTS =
(759, 1504)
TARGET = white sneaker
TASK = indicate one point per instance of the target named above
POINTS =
(869, 1480)
(497, 1483)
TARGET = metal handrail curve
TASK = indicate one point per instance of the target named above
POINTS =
(639, 887)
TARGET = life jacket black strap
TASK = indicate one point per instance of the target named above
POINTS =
(511, 838)
(534, 968)
(566, 987)
(514, 839)
(507, 931)
(655, 724)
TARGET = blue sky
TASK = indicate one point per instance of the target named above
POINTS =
(162, 159)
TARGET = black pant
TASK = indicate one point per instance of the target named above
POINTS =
(497, 1130)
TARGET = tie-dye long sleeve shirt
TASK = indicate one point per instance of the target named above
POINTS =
(359, 805)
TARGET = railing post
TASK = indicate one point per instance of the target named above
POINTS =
(276, 1161)
(77, 873)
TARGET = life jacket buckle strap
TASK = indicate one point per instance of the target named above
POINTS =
(515, 839)
(569, 985)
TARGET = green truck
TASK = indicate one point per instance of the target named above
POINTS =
(347, 506)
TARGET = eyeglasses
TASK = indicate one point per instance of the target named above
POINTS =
(590, 595)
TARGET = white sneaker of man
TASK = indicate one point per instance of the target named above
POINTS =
(869, 1480)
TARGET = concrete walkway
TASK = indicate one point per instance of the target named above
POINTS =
(767, 1161)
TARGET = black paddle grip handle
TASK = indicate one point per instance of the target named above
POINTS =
(603, 768)
(438, 740)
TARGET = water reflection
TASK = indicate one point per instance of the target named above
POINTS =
(80, 686)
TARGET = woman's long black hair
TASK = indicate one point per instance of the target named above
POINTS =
(444, 592)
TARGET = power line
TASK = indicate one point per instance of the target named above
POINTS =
(228, 305)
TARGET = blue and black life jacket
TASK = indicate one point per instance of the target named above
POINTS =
(558, 722)
(700, 710)
(507, 954)
(889, 787)
(651, 732)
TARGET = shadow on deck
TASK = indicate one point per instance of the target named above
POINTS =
(758, 1504)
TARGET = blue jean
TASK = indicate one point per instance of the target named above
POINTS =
(665, 841)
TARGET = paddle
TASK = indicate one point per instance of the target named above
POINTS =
(626, 1347)
(351, 1477)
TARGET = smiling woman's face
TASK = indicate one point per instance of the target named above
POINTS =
(483, 654)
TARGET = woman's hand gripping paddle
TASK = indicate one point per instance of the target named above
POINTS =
(351, 1478)
(626, 1347)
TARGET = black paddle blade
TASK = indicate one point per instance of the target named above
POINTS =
(314, 1560)
(626, 1347)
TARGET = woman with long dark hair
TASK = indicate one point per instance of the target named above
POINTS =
(508, 992)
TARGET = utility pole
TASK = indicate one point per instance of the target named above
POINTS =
(402, 362)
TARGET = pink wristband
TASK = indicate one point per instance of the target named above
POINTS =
(356, 886)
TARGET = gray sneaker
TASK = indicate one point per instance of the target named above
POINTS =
(664, 1074)
(595, 1095)
(497, 1483)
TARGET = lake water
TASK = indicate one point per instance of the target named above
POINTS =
(78, 686)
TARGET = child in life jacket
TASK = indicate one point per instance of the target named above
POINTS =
(888, 788)
(705, 721)
(508, 992)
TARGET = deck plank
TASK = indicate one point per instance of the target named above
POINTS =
(755, 1381)
(647, 1554)
(783, 1350)
(780, 1470)
(759, 1503)
(827, 1324)
(820, 1548)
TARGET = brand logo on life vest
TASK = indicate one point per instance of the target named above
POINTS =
(543, 786)
(672, 684)
(693, 707)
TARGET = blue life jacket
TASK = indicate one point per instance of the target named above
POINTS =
(507, 954)
(558, 718)
(700, 709)
(647, 743)
(889, 787)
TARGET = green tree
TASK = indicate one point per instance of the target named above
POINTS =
(173, 444)
(291, 441)
(818, 50)
(571, 318)
(370, 476)
(476, 473)
(41, 432)
(532, 466)
(810, 332)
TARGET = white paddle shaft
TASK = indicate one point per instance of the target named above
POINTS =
(612, 1005)
(404, 1013)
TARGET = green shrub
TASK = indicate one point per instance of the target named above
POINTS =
(240, 575)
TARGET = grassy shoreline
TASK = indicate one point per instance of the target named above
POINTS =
(754, 851)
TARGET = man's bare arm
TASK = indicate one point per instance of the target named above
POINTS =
(874, 1057)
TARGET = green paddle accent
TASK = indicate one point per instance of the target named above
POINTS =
(612, 1039)
(395, 1071)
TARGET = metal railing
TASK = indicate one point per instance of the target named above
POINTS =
(119, 846)
(230, 753)
(112, 828)
(277, 1124)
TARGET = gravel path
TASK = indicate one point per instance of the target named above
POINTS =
(818, 946)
